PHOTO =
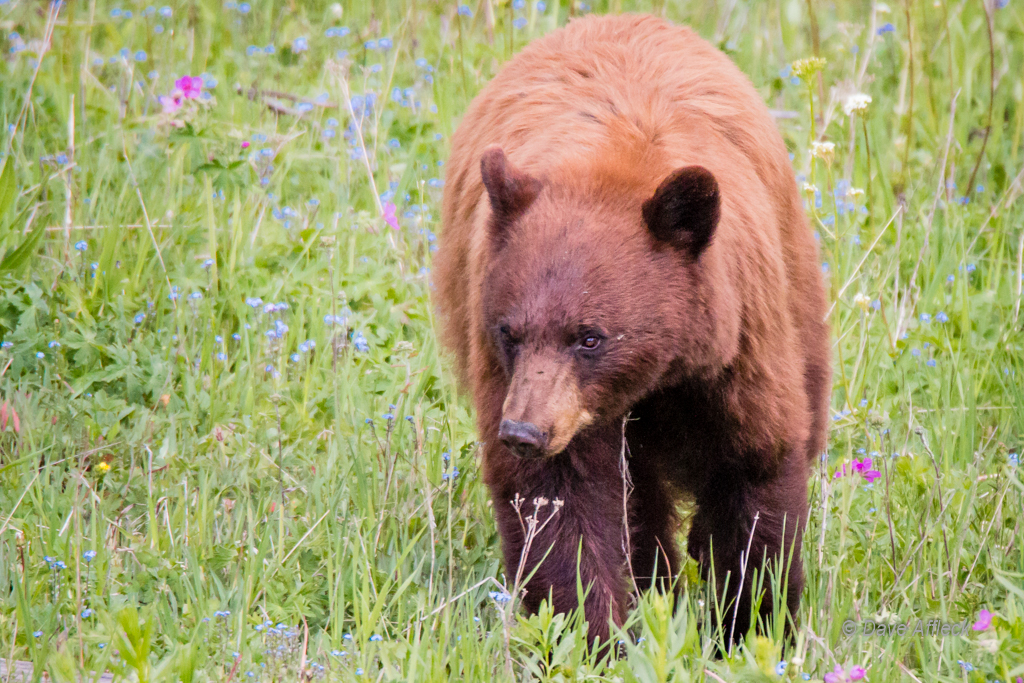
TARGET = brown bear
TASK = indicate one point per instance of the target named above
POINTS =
(626, 274)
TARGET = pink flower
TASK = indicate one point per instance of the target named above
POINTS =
(190, 86)
(245, 144)
(837, 675)
(984, 620)
(171, 103)
(389, 215)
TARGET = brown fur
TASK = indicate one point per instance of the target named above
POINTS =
(716, 347)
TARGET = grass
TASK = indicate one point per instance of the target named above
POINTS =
(184, 496)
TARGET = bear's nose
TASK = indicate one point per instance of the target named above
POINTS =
(522, 438)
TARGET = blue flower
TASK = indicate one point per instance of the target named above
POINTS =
(295, 358)
(173, 296)
(388, 416)
(518, 4)
(222, 356)
(40, 355)
(780, 668)
(886, 28)
(500, 597)
(941, 317)
(966, 666)
(37, 634)
(519, 23)
(141, 56)
(541, 6)
(375, 638)
(195, 296)
(244, 7)
(1014, 459)
(465, 11)
(925, 318)
(384, 44)
(359, 341)
(359, 671)
(81, 245)
(166, 12)
(254, 301)
(208, 263)
(931, 363)
(86, 613)
(7, 345)
(300, 45)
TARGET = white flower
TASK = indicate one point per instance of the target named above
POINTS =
(825, 151)
(857, 102)
(862, 301)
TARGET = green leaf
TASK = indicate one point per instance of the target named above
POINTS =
(15, 259)
(8, 190)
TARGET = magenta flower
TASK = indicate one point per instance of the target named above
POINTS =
(863, 467)
(839, 675)
(190, 86)
(389, 215)
(984, 621)
(245, 144)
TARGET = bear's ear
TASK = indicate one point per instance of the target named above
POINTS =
(511, 191)
(685, 208)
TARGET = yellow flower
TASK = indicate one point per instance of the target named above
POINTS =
(862, 301)
(103, 467)
(807, 67)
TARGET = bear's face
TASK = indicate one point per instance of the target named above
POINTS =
(582, 300)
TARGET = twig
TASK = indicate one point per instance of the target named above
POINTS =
(743, 577)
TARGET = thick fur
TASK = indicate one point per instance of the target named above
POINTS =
(719, 354)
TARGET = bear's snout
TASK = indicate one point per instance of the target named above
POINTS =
(523, 438)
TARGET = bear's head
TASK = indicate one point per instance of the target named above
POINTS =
(597, 291)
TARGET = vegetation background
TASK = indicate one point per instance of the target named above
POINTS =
(232, 450)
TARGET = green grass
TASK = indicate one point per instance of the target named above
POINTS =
(219, 493)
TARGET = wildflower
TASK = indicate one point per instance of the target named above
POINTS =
(375, 638)
(807, 67)
(885, 28)
(208, 263)
(103, 467)
(6, 345)
(384, 44)
(941, 317)
(190, 86)
(254, 301)
(86, 613)
(40, 355)
(780, 668)
(295, 358)
(1014, 459)
(171, 103)
(37, 634)
(221, 356)
(141, 56)
(519, 23)
(826, 151)
(857, 102)
(139, 317)
(54, 344)
(359, 671)
(359, 341)
(465, 11)
(984, 621)
(862, 301)
(195, 296)
(81, 245)
(925, 318)
(389, 215)
(500, 597)
(966, 666)
(89, 555)
(300, 45)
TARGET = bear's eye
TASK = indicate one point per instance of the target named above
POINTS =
(590, 342)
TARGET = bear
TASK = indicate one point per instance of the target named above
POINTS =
(633, 297)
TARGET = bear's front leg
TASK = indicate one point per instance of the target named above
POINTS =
(744, 527)
(560, 518)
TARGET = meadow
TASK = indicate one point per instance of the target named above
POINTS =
(232, 448)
